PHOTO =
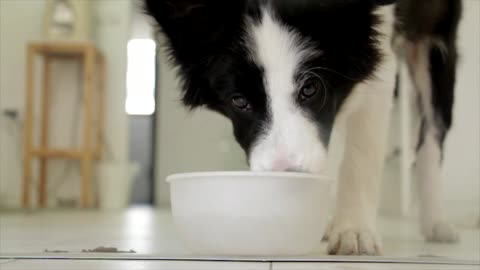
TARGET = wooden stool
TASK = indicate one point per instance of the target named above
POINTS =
(90, 57)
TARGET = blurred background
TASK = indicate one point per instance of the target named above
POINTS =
(145, 128)
(146, 134)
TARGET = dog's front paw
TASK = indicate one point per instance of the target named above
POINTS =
(440, 232)
(353, 242)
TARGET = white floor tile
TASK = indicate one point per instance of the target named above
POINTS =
(369, 266)
(151, 232)
(402, 238)
(143, 230)
(129, 264)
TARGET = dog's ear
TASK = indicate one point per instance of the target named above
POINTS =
(194, 26)
(196, 30)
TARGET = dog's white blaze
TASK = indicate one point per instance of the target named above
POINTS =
(290, 141)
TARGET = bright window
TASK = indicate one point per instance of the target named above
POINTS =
(140, 77)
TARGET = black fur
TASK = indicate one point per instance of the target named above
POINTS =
(435, 20)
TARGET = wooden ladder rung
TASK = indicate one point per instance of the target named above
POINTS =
(57, 153)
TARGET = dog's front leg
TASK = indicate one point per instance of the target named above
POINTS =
(353, 229)
(365, 116)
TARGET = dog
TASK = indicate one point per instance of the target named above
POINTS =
(289, 72)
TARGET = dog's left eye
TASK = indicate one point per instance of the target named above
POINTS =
(308, 91)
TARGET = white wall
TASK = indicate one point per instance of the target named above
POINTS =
(461, 171)
(112, 20)
(21, 22)
(12, 59)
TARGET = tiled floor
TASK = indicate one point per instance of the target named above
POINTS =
(26, 237)
(174, 265)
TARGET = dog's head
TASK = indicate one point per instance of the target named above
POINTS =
(279, 70)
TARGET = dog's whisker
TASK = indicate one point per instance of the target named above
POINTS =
(334, 71)
(324, 86)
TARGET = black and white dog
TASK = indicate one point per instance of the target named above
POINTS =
(288, 72)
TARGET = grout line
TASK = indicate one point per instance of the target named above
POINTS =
(322, 259)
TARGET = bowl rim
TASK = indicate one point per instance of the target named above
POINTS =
(283, 175)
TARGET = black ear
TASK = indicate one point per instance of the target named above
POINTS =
(193, 26)
(197, 31)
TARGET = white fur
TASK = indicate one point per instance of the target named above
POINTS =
(427, 170)
(354, 229)
(291, 140)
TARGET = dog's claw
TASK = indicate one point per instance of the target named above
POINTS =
(352, 242)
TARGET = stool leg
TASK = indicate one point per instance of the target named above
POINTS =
(100, 110)
(101, 98)
(42, 196)
(86, 177)
(27, 136)
(89, 60)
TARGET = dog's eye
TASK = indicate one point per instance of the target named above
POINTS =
(308, 91)
(241, 103)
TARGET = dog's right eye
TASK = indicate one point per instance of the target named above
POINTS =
(241, 103)
(308, 91)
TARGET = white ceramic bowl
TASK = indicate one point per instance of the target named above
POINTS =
(250, 213)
